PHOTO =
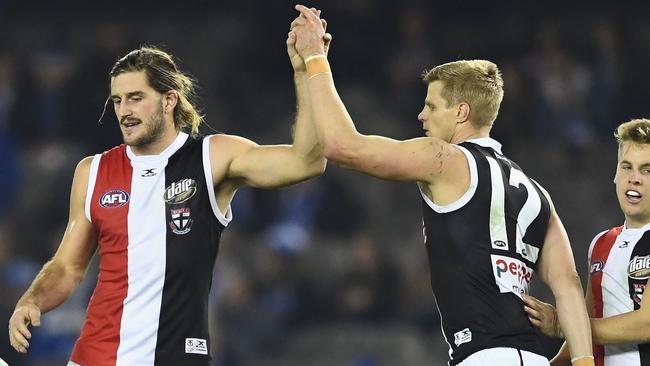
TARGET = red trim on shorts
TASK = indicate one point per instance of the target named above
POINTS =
(100, 336)
(600, 252)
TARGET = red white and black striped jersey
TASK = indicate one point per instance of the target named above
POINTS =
(483, 250)
(619, 262)
(158, 228)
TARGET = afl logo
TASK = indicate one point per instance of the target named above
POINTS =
(181, 191)
(114, 198)
(597, 266)
(639, 268)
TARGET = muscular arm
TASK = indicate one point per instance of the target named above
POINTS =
(420, 159)
(62, 274)
(557, 269)
(243, 162)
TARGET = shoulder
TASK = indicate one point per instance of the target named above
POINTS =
(229, 146)
(594, 242)
(83, 167)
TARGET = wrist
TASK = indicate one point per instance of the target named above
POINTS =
(317, 64)
(27, 300)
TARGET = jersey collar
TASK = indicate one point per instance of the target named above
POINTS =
(487, 142)
(165, 154)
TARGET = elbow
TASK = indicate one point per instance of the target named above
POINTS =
(338, 151)
(317, 167)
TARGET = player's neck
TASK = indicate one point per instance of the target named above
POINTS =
(631, 223)
(158, 146)
(464, 134)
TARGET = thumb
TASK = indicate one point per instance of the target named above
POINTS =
(35, 317)
(291, 38)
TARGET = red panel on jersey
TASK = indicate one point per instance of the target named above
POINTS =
(100, 336)
(599, 256)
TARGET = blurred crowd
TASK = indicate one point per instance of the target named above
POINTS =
(332, 271)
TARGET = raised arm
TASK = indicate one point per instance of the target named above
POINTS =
(239, 161)
(420, 159)
(62, 274)
(557, 269)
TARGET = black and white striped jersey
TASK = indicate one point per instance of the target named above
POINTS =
(483, 251)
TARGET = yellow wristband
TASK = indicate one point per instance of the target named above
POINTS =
(317, 65)
(583, 361)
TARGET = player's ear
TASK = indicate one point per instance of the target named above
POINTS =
(462, 112)
(170, 99)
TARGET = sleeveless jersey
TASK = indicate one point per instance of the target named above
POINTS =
(158, 228)
(619, 267)
(483, 250)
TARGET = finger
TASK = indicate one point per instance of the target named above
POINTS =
(298, 21)
(306, 12)
(18, 340)
(291, 38)
(21, 328)
(35, 317)
(327, 41)
(530, 301)
(532, 312)
(324, 23)
(535, 322)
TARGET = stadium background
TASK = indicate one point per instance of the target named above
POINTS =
(331, 271)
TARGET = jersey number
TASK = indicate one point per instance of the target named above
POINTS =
(526, 215)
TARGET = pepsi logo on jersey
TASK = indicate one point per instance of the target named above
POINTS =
(114, 198)
(181, 191)
(513, 267)
(639, 268)
(511, 274)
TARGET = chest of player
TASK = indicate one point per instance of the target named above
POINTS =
(140, 203)
(622, 272)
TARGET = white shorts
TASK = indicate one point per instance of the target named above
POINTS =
(503, 356)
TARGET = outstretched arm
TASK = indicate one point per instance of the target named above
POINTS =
(248, 163)
(61, 275)
(420, 159)
(630, 327)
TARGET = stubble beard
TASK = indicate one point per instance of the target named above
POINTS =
(154, 130)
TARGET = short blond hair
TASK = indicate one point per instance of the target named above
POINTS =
(476, 82)
(636, 130)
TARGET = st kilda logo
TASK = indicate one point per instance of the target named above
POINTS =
(114, 198)
(180, 191)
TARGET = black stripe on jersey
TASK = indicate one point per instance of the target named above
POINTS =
(459, 249)
(192, 248)
(636, 286)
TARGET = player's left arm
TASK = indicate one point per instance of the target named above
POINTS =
(557, 269)
(277, 165)
(264, 166)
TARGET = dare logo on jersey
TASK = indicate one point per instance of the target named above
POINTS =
(639, 268)
(114, 198)
(181, 191)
